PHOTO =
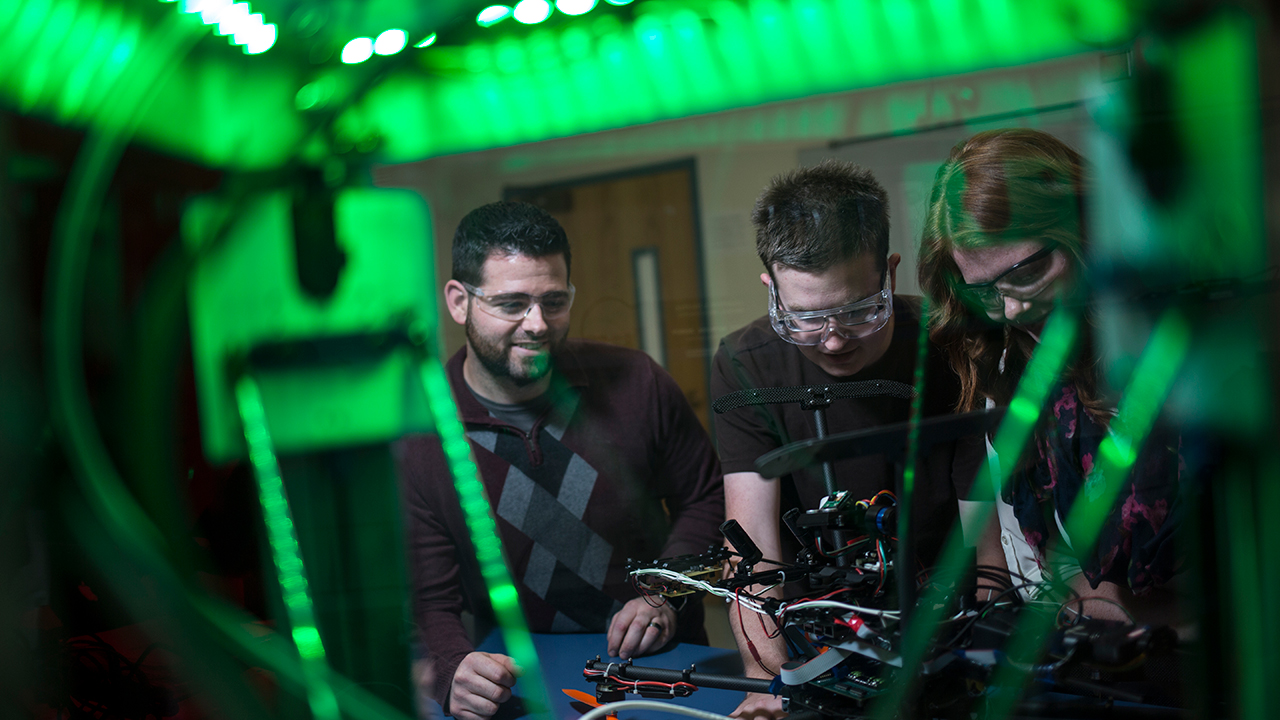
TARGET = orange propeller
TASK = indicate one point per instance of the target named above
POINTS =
(586, 698)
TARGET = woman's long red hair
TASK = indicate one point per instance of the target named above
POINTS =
(1002, 186)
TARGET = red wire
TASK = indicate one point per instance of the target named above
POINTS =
(824, 597)
(751, 646)
(771, 634)
(635, 684)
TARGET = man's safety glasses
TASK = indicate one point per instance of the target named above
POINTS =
(515, 306)
(853, 321)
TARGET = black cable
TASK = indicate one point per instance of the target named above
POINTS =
(986, 606)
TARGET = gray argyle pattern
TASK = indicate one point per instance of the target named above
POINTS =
(569, 560)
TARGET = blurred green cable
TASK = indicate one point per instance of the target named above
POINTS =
(1042, 372)
(1154, 374)
(484, 533)
(132, 539)
(290, 570)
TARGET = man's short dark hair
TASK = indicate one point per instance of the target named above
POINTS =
(507, 228)
(816, 217)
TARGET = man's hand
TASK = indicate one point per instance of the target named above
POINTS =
(759, 706)
(640, 628)
(482, 683)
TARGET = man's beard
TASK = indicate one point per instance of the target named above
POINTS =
(497, 361)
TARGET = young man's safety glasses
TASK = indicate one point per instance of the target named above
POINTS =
(853, 321)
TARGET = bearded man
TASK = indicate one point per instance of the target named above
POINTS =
(590, 454)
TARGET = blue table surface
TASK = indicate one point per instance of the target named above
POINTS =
(563, 658)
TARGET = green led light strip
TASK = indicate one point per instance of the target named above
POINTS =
(477, 512)
(1024, 411)
(290, 572)
(680, 59)
(1138, 409)
(235, 21)
(1152, 377)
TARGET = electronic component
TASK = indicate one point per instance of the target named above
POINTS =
(846, 629)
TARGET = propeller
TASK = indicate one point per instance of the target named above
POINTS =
(585, 698)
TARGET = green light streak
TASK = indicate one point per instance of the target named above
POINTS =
(1038, 379)
(290, 571)
(1139, 406)
(483, 529)
(1138, 409)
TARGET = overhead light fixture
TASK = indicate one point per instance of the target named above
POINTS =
(493, 15)
(357, 51)
(532, 12)
(427, 41)
(575, 7)
(256, 36)
(211, 10)
(233, 18)
(618, 2)
(246, 29)
(391, 42)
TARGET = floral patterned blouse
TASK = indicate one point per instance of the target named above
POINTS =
(1136, 543)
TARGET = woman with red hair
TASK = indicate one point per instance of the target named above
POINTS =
(1005, 242)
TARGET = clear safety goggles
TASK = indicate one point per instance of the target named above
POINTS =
(515, 306)
(853, 321)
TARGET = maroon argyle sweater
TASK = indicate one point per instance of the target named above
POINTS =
(619, 467)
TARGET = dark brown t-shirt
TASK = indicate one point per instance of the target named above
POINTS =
(755, 357)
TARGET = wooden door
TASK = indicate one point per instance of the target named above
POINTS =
(637, 266)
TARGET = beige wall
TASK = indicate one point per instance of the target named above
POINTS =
(737, 152)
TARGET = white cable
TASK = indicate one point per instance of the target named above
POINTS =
(839, 606)
(751, 604)
(613, 708)
(745, 600)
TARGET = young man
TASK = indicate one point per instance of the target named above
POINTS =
(589, 452)
(823, 236)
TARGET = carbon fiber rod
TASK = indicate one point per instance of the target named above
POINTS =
(804, 393)
(702, 680)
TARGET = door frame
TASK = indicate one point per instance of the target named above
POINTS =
(691, 165)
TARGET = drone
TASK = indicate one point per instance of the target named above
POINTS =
(843, 623)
